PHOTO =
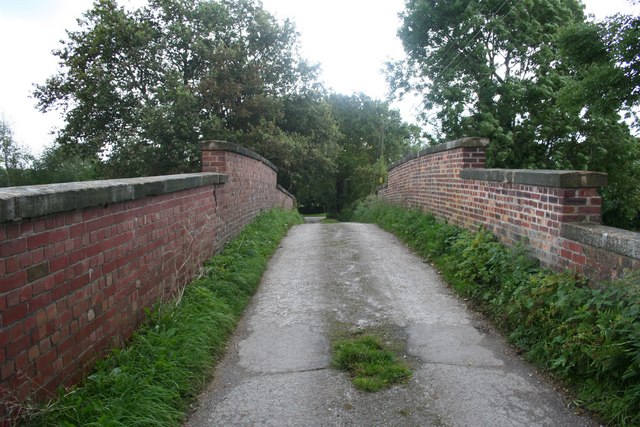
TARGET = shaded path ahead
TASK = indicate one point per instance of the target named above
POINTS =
(328, 279)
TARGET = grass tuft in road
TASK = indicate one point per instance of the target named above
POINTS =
(152, 381)
(372, 367)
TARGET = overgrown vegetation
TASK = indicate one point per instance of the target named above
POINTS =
(168, 361)
(372, 367)
(587, 336)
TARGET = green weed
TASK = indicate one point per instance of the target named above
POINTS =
(586, 335)
(371, 366)
(169, 359)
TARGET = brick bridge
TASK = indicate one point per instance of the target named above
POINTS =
(80, 261)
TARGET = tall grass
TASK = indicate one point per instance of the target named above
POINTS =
(586, 335)
(169, 359)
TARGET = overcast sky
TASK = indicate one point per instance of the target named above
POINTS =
(350, 38)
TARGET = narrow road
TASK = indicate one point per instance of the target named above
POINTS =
(328, 280)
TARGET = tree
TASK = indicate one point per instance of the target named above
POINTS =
(486, 68)
(57, 164)
(14, 159)
(372, 137)
(621, 36)
(141, 89)
(309, 121)
(601, 87)
(531, 77)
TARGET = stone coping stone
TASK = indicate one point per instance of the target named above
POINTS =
(446, 146)
(539, 177)
(284, 190)
(32, 201)
(214, 145)
(612, 239)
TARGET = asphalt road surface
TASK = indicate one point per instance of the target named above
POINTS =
(331, 280)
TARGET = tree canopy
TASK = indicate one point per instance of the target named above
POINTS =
(143, 87)
(14, 159)
(140, 88)
(19, 167)
(371, 137)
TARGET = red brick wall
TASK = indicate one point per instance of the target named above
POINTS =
(74, 283)
(248, 190)
(431, 181)
(598, 251)
(516, 205)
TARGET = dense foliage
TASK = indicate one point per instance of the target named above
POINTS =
(547, 87)
(143, 87)
(152, 380)
(139, 89)
(371, 137)
(588, 336)
(14, 159)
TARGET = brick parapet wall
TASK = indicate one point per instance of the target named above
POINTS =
(429, 179)
(591, 249)
(249, 189)
(534, 206)
(80, 261)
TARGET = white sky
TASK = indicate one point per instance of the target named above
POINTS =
(350, 38)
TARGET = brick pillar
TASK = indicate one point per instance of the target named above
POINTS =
(214, 156)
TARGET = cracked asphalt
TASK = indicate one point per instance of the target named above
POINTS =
(328, 280)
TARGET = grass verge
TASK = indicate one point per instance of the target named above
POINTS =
(169, 359)
(586, 335)
(371, 366)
